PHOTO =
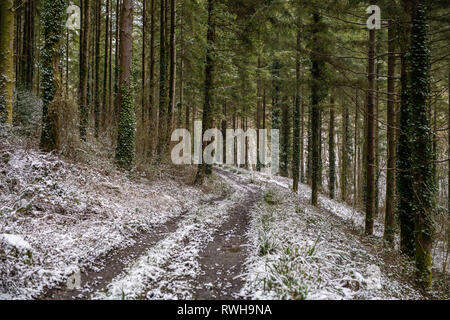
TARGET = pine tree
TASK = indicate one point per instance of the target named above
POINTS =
(370, 139)
(422, 145)
(344, 153)
(331, 151)
(6, 60)
(285, 137)
(117, 64)
(276, 101)
(152, 111)
(106, 68)
(97, 11)
(53, 14)
(318, 94)
(207, 123)
(84, 68)
(127, 125)
(405, 192)
(297, 114)
(144, 64)
(163, 78)
(389, 226)
(173, 68)
(448, 181)
(25, 78)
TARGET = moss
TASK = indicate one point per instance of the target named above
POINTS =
(6, 61)
(422, 154)
(126, 131)
(271, 198)
(53, 13)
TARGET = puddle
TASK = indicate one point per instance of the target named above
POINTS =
(232, 249)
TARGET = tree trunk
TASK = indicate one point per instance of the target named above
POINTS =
(258, 111)
(181, 75)
(173, 68)
(448, 181)
(144, 66)
(163, 103)
(389, 225)
(316, 74)
(405, 192)
(27, 54)
(344, 155)
(126, 130)
(285, 138)
(302, 142)
(331, 151)
(84, 68)
(224, 131)
(356, 154)
(296, 143)
(20, 62)
(205, 169)
(53, 14)
(422, 146)
(377, 137)
(67, 61)
(370, 149)
(98, 25)
(6, 61)
(152, 111)
(116, 64)
(105, 102)
(110, 109)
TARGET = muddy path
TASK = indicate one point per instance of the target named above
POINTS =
(112, 265)
(109, 266)
(222, 261)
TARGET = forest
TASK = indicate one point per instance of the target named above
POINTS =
(97, 97)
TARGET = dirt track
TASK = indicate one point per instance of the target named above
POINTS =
(221, 260)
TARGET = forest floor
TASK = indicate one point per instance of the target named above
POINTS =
(84, 230)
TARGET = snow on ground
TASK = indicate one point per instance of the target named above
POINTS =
(168, 270)
(300, 252)
(57, 217)
(342, 210)
(65, 215)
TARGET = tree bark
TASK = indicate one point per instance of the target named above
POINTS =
(105, 102)
(163, 103)
(6, 61)
(448, 181)
(422, 146)
(98, 26)
(173, 68)
(344, 155)
(27, 53)
(53, 14)
(144, 64)
(258, 110)
(285, 137)
(389, 225)
(84, 68)
(405, 192)
(126, 130)
(356, 153)
(152, 112)
(116, 64)
(370, 149)
(205, 169)
(316, 74)
(297, 113)
(331, 151)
